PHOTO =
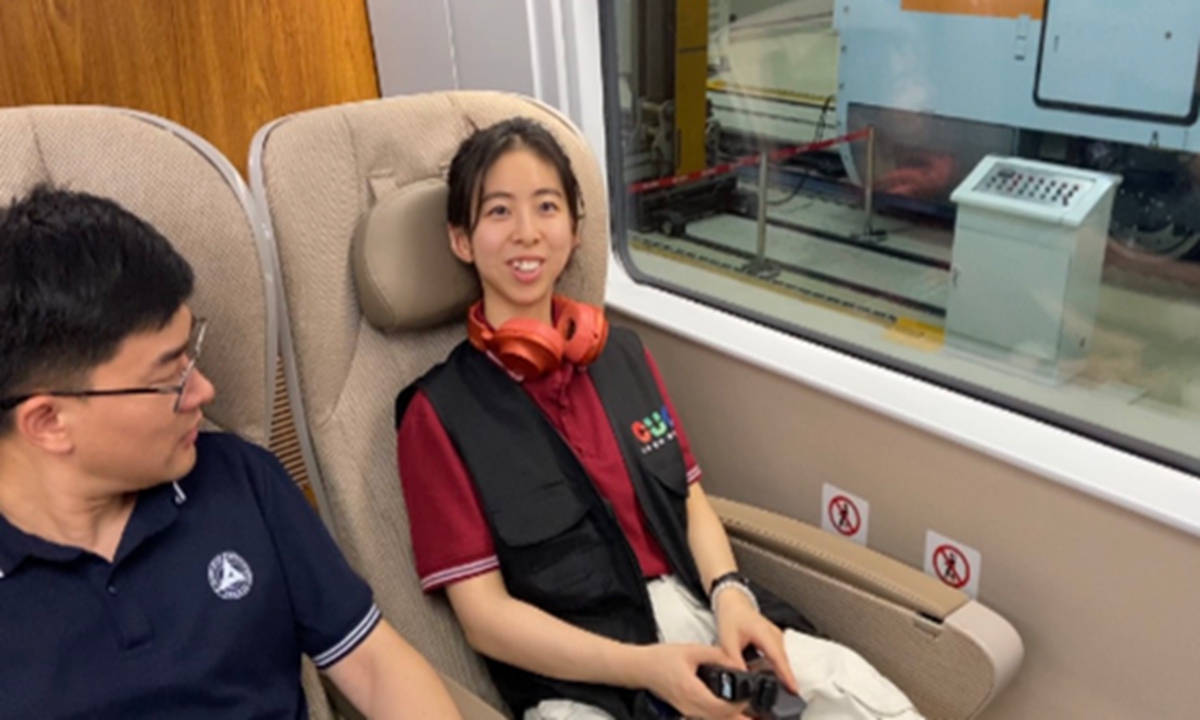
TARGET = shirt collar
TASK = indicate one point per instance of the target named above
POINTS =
(16, 546)
(156, 508)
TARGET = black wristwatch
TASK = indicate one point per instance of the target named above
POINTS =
(728, 577)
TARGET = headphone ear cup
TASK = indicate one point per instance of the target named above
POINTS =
(527, 347)
(584, 330)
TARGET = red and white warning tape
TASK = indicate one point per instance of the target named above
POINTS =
(748, 161)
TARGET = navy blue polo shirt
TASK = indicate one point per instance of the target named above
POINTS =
(219, 583)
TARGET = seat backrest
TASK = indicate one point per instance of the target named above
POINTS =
(355, 196)
(185, 188)
(188, 191)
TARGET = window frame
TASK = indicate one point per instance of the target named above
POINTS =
(1079, 453)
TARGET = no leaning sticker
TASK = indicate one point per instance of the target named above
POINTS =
(844, 514)
(952, 562)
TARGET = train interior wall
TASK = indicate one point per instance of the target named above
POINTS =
(1104, 599)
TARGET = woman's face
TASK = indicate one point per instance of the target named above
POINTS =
(523, 238)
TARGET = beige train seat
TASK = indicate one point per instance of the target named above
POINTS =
(192, 194)
(355, 202)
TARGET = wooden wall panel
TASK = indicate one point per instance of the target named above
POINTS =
(219, 67)
(222, 68)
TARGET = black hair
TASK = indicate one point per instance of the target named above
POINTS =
(78, 274)
(477, 155)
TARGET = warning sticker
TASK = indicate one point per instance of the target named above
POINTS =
(951, 566)
(953, 563)
(844, 513)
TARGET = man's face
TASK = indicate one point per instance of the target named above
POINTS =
(130, 442)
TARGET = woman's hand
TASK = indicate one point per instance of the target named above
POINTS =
(740, 624)
(670, 672)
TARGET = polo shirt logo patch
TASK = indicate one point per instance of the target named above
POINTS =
(229, 576)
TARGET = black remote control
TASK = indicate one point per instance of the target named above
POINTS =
(767, 698)
(729, 684)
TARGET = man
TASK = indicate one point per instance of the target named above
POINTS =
(148, 569)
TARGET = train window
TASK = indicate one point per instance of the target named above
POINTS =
(1000, 197)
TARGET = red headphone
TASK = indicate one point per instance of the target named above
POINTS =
(531, 348)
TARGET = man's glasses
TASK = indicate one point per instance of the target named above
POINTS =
(195, 343)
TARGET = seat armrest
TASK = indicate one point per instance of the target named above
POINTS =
(839, 558)
(470, 706)
(951, 654)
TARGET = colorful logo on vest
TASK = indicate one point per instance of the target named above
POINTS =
(230, 576)
(654, 430)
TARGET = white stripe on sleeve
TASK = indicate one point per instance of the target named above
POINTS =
(351, 641)
(459, 572)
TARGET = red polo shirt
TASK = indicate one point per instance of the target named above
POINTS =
(451, 539)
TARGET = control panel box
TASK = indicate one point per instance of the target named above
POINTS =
(1033, 186)
(1029, 243)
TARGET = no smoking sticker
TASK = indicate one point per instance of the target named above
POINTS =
(844, 514)
(952, 562)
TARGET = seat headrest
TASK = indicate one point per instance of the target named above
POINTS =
(406, 278)
(190, 193)
(406, 275)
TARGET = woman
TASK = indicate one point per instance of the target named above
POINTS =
(553, 494)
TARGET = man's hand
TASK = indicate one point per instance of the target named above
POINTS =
(669, 671)
(739, 624)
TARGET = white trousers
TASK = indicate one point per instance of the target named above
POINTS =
(836, 682)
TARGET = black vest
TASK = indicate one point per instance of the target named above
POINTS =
(559, 544)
